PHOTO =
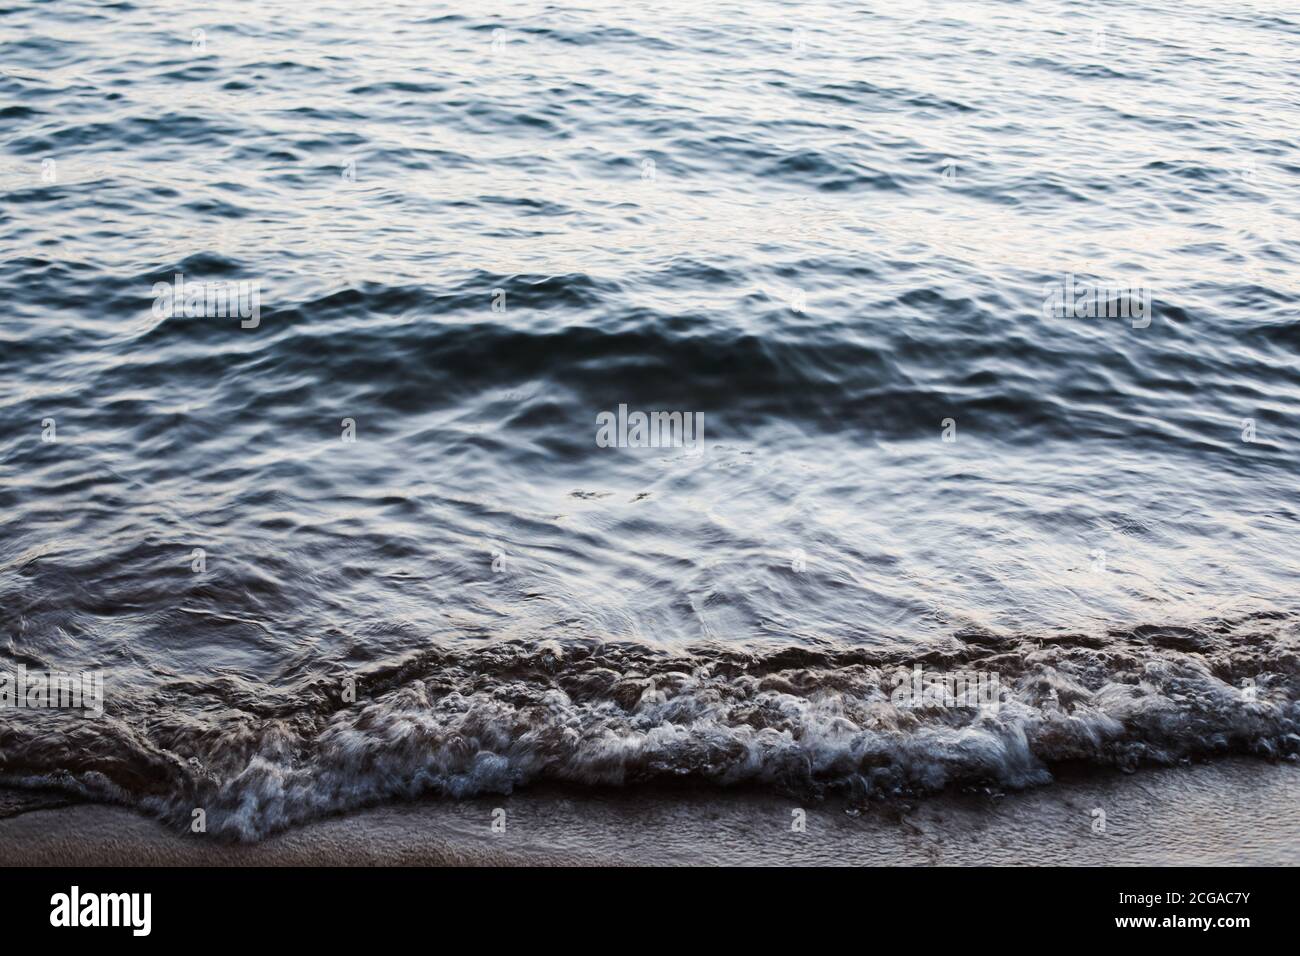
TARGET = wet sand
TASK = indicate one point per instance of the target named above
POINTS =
(1230, 812)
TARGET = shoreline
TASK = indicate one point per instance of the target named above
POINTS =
(1235, 811)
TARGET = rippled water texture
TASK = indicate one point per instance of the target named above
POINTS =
(829, 229)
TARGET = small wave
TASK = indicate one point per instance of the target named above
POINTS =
(801, 721)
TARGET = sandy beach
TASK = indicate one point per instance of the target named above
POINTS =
(1230, 812)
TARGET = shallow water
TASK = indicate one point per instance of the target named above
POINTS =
(1231, 812)
(827, 229)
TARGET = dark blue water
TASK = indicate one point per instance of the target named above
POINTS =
(828, 230)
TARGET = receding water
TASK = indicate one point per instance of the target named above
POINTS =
(456, 235)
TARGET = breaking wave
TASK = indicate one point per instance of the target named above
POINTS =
(806, 722)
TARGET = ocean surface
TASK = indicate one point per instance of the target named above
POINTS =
(357, 536)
